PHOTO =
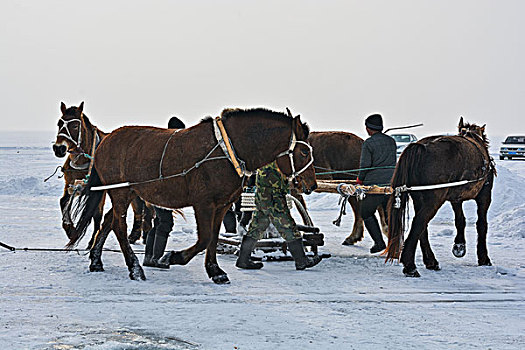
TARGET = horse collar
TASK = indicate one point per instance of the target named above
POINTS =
(227, 147)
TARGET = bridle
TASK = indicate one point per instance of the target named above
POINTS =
(289, 153)
(67, 133)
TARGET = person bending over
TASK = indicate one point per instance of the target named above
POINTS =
(270, 202)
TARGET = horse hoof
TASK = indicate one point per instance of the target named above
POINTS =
(485, 262)
(96, 268)
(459, 250)
(137, 274)
(411, 273)
(172, 258)
(221, 279)
(350, 241)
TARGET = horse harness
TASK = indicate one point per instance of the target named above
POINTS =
(224, 142)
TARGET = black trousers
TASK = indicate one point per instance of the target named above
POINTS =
(163, 222)
(370, 204)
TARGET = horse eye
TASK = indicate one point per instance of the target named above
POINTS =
(305, 152)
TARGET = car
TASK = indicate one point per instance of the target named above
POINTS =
(512, 147)
(402, 141)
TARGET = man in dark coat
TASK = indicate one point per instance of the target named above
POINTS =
(378, 153)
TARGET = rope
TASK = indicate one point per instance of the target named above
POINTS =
(182, 173)
(50, 176)
(164, 152)
(11, 248)
(342, 201)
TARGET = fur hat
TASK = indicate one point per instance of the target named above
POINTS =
(374, 122)
(176, 123)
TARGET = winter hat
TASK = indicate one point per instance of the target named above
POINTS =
(176, 123)
(374, 122)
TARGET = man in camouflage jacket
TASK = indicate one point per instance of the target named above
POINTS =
(270, 200)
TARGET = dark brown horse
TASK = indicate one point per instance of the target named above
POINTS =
(187, 168)
(337, 153)
(460, 162)
(78, 137)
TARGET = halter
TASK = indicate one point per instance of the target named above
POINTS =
(289, 152)
(68, 135)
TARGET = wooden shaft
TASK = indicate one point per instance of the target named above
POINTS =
(330, 187)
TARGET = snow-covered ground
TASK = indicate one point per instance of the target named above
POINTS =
(49, 300)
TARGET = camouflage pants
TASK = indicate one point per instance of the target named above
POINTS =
(275, 210)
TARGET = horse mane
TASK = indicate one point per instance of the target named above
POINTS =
(254, 112)
(471, 132)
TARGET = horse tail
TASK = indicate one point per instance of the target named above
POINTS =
(404, 174)
(88, 203)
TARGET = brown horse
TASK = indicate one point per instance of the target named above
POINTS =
(335, 153)
(462, 163)
(187, 168)
(78, 137)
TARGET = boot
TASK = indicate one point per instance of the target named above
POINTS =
(155, 245)
(158, 251)
(301, 260)
(148, 251)
(372, 226)
(244, 261)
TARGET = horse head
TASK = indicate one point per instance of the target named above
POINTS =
(69, 136)
(298, 165)
(467, 129)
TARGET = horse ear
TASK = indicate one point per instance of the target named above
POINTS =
(63, 108)
(297, 126)
(483, 128)
(81, 107)
(461, 124)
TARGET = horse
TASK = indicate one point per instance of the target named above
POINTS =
(79, 137)
(190, 168)
(463, 166)
(336, 152)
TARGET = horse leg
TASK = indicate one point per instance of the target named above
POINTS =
(459, 249)
(97, 219)
(483, 201)
(95, 253)
(428, 255)
(212, 266)
(138, 215)
(121, 199)
(358, 229)
(67, 225)
(425, 211)
(383, 219)
(204, 216)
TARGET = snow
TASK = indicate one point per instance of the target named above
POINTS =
(49, 300)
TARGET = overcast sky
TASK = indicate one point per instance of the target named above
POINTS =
(333, 62)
